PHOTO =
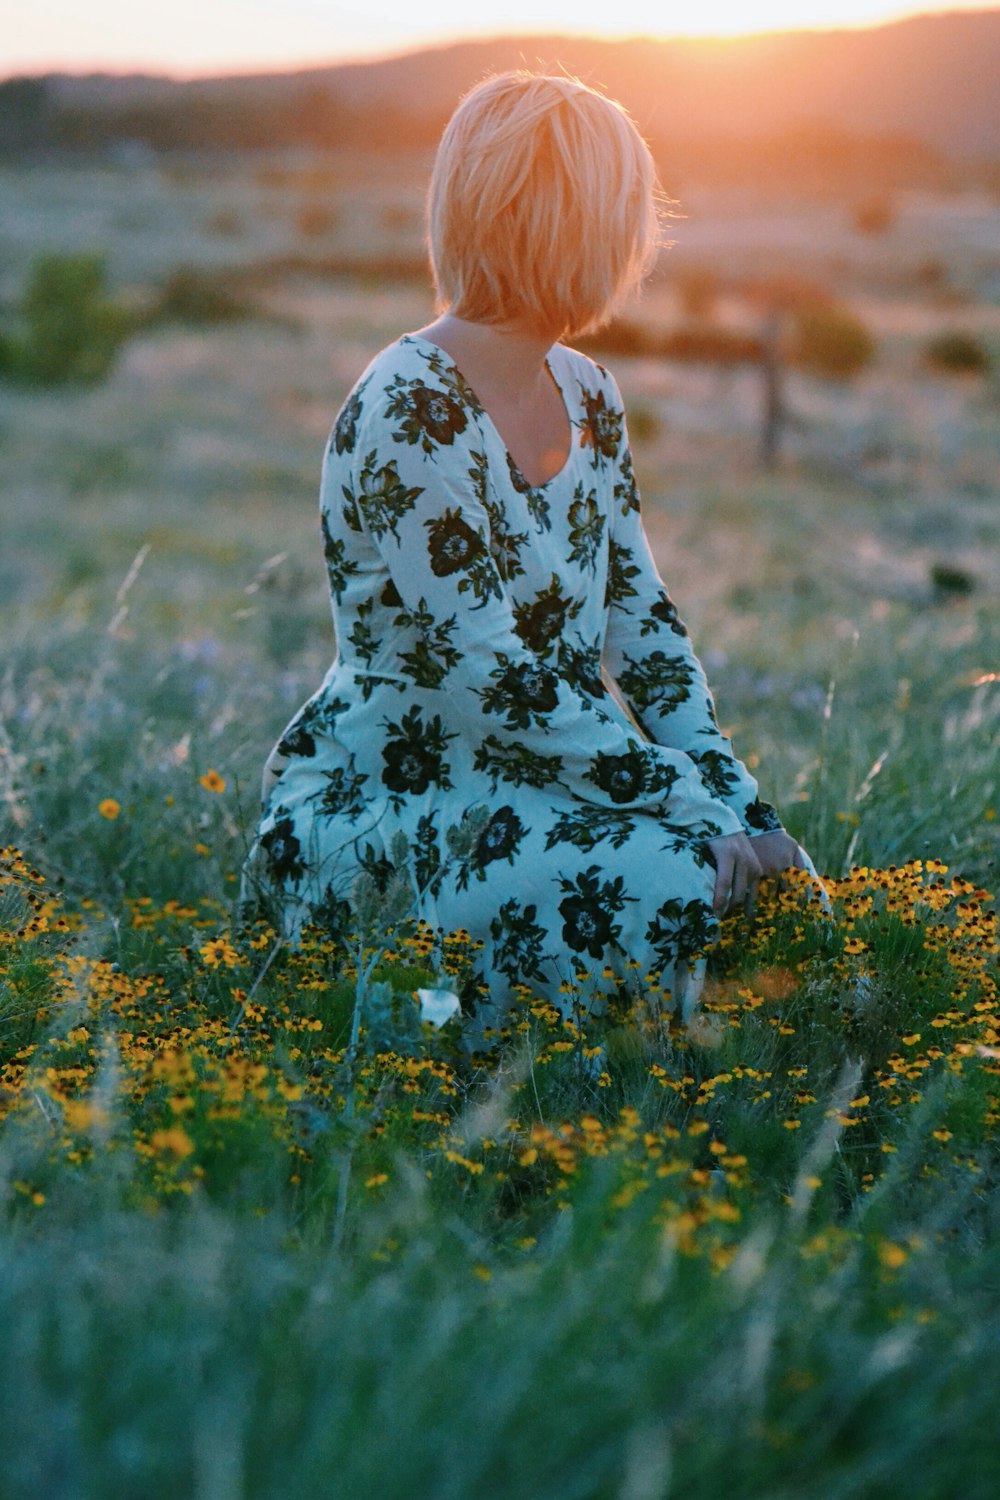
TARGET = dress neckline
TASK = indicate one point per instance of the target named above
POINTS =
(418, 338)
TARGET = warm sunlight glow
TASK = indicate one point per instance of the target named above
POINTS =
(189, 37)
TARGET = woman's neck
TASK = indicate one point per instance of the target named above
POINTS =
(506, 356)
(507, 370)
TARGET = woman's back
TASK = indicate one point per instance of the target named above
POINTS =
(472, 611)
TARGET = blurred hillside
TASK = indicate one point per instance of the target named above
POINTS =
(914, 103)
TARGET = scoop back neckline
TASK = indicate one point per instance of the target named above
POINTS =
(418, 338)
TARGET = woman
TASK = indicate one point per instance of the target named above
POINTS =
(486, 560)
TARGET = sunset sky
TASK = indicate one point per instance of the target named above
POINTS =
(189, 37)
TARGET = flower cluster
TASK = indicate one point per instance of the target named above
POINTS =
(196, 1053)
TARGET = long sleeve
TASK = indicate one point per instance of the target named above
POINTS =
(412, 476)
(649, 655)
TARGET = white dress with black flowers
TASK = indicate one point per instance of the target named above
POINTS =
(474, 614)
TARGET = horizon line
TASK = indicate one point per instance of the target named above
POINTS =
(364, 58)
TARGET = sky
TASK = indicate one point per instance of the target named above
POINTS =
(187, 38)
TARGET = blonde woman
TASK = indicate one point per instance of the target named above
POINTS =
(487, 563)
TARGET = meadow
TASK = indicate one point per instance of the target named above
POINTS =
(264, 1231)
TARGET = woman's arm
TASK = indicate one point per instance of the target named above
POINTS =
(648, 653)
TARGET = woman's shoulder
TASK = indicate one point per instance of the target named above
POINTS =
(586, 372)
(409, 391)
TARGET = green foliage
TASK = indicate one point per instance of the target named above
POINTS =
(191, 295)
(69, 330)
(172, 1170)
(608, 1261)
(957, 353)
(832, 342)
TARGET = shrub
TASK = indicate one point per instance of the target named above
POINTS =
(710, 344)
(831, 341)
(698, 291)
(620, 337)
(315, 219)
(874, 216)
(704, 343)
(190, 295)
(957, 353)
(70, 331)
(226, 222)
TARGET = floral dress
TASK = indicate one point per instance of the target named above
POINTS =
(478, 619)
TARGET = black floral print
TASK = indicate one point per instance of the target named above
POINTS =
(663, 611)
(381, 497)
(523, 692)
(588, 911)
(540, 623)
(621, 571)
(477, 618)
(586, 529)
(342, 794)
(601, 428)
(425, 415)
(500, 839)
(282, 848)
(414, 754)
(627, 777)
(339, 566)
(345, 429)
(760, 817)
(452, 544)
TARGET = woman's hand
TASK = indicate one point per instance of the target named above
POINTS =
(737, 872)
(776, 852)
(741, 863)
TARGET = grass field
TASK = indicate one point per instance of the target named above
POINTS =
(241, 1256)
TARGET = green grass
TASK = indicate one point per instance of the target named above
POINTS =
(540, 1284)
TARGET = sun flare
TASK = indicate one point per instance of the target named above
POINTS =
(240, 35)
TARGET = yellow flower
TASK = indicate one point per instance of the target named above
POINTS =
(175, 1140)
(109, 808)
(212, 781)
(219, 951)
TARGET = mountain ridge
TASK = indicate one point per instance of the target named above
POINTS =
(930, 78)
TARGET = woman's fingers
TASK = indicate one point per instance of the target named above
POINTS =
(753, 881)
(737, 873)
(724, 864)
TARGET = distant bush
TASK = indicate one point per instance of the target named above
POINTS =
(68, 330)
(397, 218)
(314, 219)
(697, 291)
(874, 215)
(190, 295)
(226, 222)
(786, 291)
(931, 274)
(621, 337)
(695, 343)
(709, 344)
(831, 341)
(643, 422)
(957, 353)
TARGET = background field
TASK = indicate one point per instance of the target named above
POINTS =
(866, 563)
(188, 1314)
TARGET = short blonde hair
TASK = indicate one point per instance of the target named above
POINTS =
(543, 205)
